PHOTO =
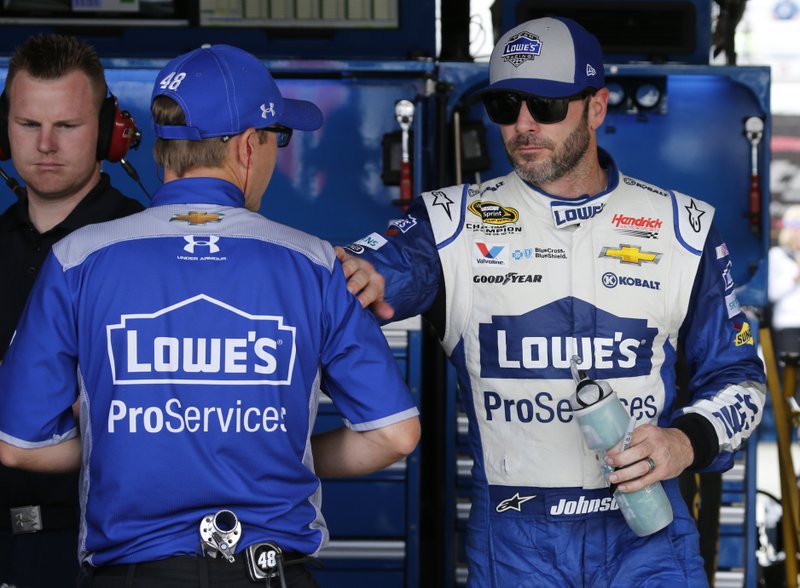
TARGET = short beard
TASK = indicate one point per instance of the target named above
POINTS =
(562, 160)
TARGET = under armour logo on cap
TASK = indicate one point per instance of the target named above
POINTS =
(222, 91)
(267, 110)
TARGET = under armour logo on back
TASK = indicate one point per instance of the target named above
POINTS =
(267, 110)
(202, 242)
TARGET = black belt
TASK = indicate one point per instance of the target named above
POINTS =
(35, 518)
(185, 563)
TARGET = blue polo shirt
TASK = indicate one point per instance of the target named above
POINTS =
(198, 337)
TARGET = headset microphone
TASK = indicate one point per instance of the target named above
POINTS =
(13, 184)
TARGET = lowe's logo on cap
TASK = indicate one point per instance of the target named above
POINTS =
(522, 47)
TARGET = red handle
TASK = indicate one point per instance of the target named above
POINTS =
(405, 181)
(755, 201)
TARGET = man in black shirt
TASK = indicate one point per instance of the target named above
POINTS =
(57, 123)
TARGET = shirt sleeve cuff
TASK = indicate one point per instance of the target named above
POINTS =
(701, 435)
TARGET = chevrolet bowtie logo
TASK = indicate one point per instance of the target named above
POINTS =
(631, 254)
(198, 218)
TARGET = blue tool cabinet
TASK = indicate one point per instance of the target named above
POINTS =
(374, 520)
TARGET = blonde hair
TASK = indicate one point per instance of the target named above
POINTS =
(181, 155)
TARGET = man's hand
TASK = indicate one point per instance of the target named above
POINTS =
(669, 449)
(366, 283)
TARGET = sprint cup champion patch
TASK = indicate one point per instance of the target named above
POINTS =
(522, 47)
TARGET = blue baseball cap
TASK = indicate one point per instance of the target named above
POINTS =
(224, 91)
(552, 57)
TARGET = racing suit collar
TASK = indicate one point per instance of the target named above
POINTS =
(197, 190)
(567, 212)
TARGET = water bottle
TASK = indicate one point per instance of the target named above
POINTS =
(604, 421)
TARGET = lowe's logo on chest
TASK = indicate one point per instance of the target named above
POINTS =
(540, 343)
(201, 340)
(573, 213)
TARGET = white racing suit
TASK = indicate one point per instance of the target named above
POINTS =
(623, 279)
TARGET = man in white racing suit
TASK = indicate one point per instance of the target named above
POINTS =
(567, 255)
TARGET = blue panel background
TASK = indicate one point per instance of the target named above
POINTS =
(327, 182)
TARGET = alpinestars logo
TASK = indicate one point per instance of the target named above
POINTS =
(522, 47)
(695, 214)
(443, 200)
(514, 503)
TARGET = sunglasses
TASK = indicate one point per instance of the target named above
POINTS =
(284, 134)
(503, 107)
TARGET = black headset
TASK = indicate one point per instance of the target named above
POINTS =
(117, 131)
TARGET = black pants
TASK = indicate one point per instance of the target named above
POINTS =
(47, 559)
(189, 572)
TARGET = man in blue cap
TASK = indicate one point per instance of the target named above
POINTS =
(568, 256)
(200, 335)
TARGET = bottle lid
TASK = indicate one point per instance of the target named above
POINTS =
(590, 392)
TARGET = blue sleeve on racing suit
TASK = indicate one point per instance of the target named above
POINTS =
(408, 261)
(726, 384)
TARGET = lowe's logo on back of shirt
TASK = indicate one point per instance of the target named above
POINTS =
(201, 340)
(537, 344)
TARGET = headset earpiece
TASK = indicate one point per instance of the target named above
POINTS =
(117, 131)
(5, 147)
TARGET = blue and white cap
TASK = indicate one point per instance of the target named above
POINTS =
(224, 90)
(549, 57)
